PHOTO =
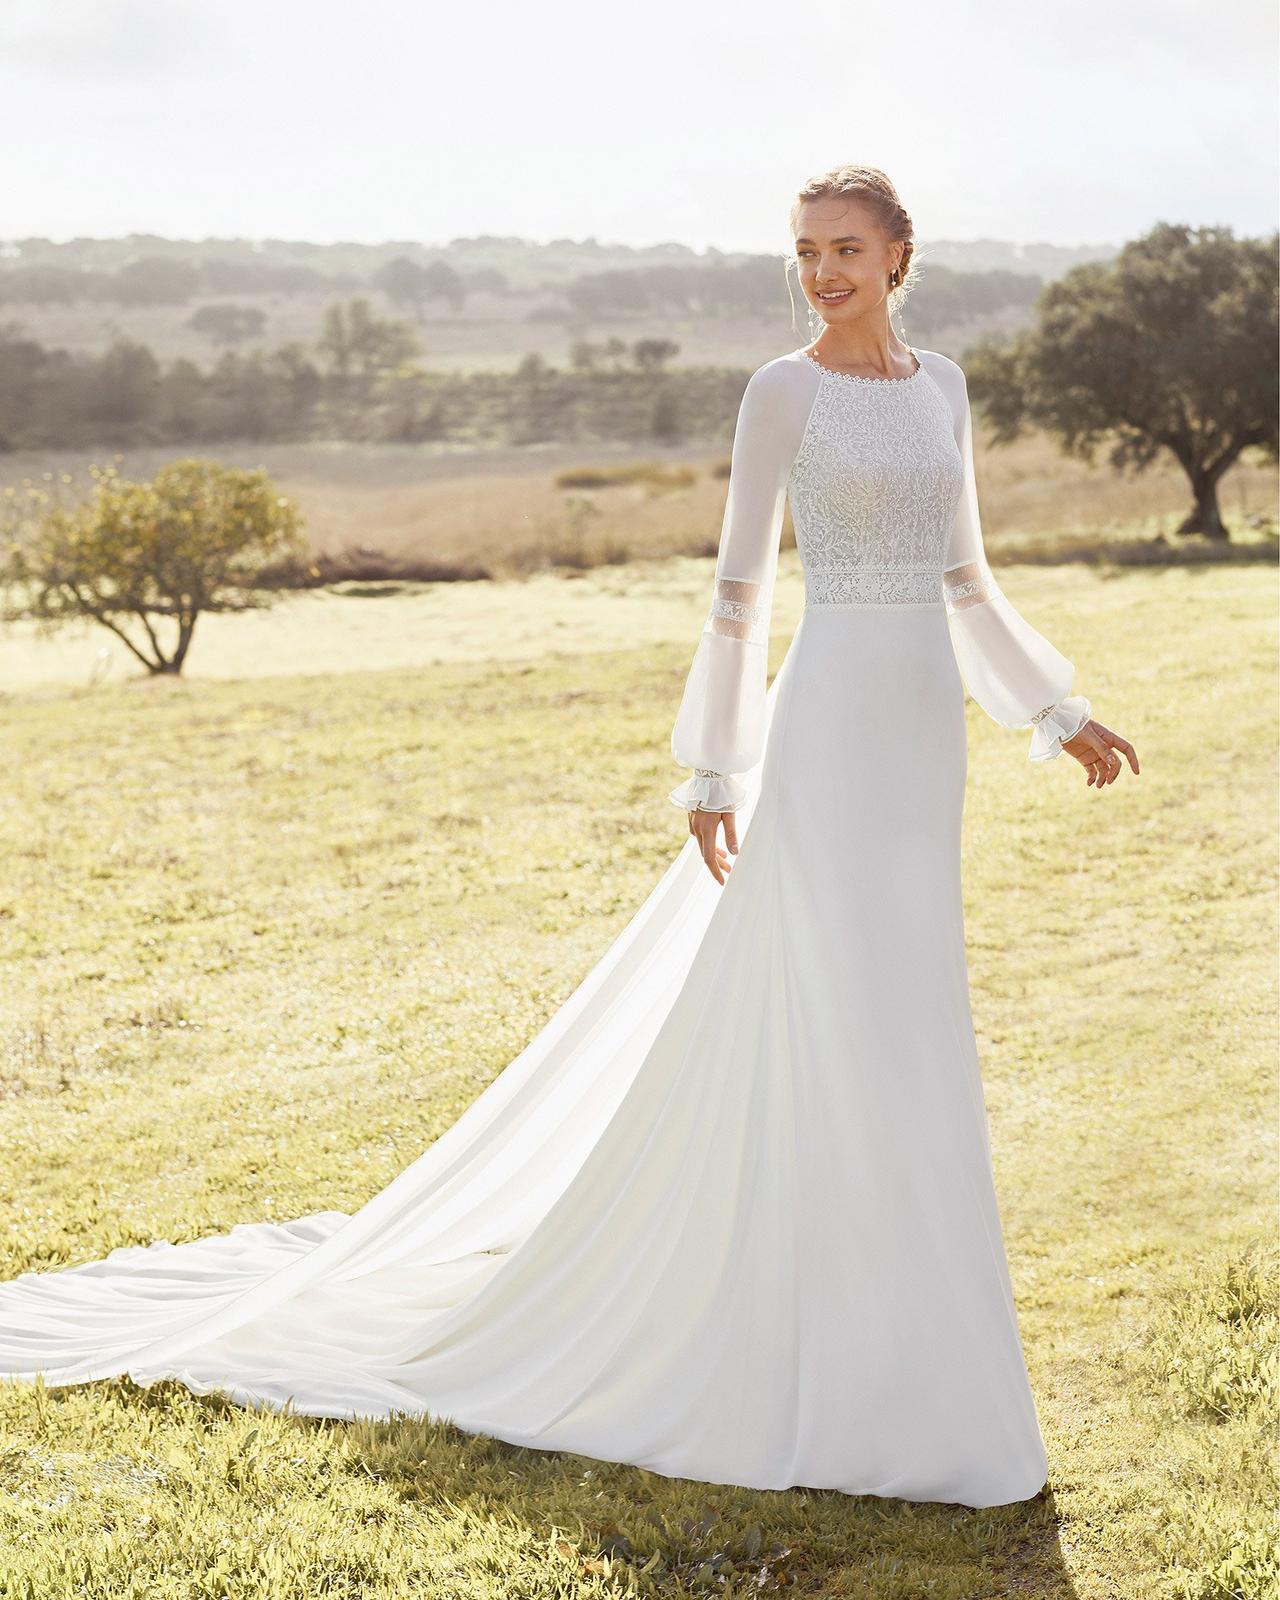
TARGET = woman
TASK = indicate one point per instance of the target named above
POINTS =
(730, 1215)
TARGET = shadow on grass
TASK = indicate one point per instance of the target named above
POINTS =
(667, 1536)
(1159, 551)
(604, 1523)
(565, 1523)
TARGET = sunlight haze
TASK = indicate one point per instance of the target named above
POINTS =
(1077, 124)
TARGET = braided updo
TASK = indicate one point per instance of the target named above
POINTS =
(873, 188)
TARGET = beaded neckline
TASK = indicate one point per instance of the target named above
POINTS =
(853, 377)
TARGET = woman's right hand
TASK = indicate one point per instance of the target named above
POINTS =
(704, 825)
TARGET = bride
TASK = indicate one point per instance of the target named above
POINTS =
(730, 1215)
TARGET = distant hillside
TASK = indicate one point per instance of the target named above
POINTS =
(482, 304)
(523, 263)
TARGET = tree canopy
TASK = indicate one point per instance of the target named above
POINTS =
(136, 555)
(1170, 347)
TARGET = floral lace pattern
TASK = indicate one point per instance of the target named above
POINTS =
(739, 610)
(972, 584)
(874, 490)
(853, 377)
(879, 586)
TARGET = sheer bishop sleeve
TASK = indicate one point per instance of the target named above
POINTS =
(719, 728)
(1013, 672)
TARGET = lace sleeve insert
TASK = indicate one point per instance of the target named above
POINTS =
(970, 584)
(739, 610)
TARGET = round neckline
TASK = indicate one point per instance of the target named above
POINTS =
(854, 377)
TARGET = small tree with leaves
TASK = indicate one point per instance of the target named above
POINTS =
(1170, 347)
(227, 323)
(652, 355)
(362, 352)
(405, 283)
(145, 559)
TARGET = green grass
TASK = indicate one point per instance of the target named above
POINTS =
(264, 938)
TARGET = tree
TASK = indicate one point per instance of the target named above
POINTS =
(227, 323)
(1169, 347)
(362, 350)
(443, 283)
(24, 370)
(298, 388)
(583, 355)
(651, 355)
(666, 421)
(533, 367)
(192, 540)
(153, 281)
(405, 283)
(41, 286)
(182, 393)
(123, 386)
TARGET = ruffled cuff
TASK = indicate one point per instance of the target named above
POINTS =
(1057, 723)
(709, 791)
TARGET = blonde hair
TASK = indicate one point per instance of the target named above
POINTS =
(874, 189)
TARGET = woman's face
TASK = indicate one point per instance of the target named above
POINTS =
(842, 251)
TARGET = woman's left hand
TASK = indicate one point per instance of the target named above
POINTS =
(1094, 746)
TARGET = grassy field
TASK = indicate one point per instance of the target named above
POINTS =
(267, 931)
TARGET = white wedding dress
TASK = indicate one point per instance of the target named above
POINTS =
(730, 1215)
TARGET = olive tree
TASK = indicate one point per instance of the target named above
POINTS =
(145, 559)
(1169, 347)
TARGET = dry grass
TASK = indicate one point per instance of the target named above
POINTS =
(437, 513)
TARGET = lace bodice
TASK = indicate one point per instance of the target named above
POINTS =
(873, 490)
(879, 476)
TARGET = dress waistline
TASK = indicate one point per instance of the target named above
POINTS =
(856, 584)
(875, 605)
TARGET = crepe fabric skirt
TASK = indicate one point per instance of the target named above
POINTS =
(729, 1216)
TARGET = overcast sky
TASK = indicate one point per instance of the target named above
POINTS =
(660, 120)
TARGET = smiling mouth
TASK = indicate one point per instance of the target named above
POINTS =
(835, 295)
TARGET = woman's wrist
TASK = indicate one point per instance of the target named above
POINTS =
(708, 790)
(1056, 724)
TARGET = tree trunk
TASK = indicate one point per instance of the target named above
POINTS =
(1205, 517)
(186, 627)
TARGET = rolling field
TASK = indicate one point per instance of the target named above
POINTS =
(501, 510)
(267, 930)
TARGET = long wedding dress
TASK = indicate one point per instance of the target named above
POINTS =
(730, 1215)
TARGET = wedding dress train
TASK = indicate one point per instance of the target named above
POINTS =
(730, 1215)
